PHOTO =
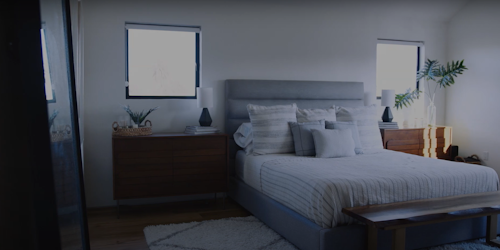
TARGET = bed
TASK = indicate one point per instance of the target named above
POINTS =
(322, 229)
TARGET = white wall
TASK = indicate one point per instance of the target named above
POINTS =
(294, 40)
(473, 102)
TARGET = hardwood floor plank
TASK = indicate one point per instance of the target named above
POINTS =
(108, 232)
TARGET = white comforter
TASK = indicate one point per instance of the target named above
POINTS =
(318, 188)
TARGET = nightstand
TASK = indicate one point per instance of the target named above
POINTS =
(429, 142)
(169, 165)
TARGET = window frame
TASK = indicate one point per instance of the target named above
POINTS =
(170, 28)
(420, 52)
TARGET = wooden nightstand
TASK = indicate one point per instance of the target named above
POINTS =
(169, 165)
(429, 142)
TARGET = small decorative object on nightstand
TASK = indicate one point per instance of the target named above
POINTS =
(205, 101)
(388, 100)
(388, 125)
(201, 130)
(473, 159)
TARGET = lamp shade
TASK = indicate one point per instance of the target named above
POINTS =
(205, 97)
(388, 97)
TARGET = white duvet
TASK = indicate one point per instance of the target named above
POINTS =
(318, 188)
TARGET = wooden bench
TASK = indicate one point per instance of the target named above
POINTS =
(398, 216)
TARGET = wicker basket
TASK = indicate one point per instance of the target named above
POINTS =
(146, 130)
(61, 135)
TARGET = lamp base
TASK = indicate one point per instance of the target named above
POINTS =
(387, 116)
(205, 119)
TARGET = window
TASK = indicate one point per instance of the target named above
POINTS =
(397, 65)
(162, 61)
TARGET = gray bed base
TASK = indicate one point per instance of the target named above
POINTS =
(297, 229)
(307, 235)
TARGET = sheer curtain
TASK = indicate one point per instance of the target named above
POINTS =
(76, 7)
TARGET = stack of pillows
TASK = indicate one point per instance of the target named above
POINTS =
(324, 133)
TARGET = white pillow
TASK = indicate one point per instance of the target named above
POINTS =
(333, 143)
(243, 136)
(271, 133)
(312, 115)
(367, 120)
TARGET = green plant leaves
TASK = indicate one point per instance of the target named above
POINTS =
(429, 72)
(447, 74)
(407, 98)
(433, 70)
(138, 117)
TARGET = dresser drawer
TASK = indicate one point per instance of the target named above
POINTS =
(141, 144)
(428, 142)
(206, 161)
(142, 154)
(403, 144)
(168, 165)
(199, 143)
(144, 161)
(144, 173)
(402, 134)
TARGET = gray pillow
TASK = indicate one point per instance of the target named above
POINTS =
(302, 137)
(311, 115)
(333, 143)
(367, 121)
(271, 133)
(353, 126)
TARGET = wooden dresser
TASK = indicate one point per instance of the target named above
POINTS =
(429, 142)
(169, 165)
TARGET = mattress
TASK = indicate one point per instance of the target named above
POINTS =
(248, 167)
(318, 188)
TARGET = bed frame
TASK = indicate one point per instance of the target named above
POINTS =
(297, 229)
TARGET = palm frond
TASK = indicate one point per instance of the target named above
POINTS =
(429, 72)
(407, 98)
(448, 73)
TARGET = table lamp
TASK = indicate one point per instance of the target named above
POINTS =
(388, 100)
(205, 101)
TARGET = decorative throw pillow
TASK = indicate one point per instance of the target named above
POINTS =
(302, 136)
(271, 133)
(310, 115)
(333, 143)
(348, 125)
(367, 121)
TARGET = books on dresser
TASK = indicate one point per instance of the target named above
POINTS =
(199, 130)
(388, 125)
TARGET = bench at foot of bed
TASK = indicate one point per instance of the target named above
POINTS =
(400, 215)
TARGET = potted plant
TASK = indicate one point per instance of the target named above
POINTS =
(138, 117)
(443, 76)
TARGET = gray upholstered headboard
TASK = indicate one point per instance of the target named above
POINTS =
(306, 94)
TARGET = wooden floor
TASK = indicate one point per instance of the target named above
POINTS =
(108, 232)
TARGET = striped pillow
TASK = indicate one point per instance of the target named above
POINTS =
(367, 120)
(312, 115)
(271, 133)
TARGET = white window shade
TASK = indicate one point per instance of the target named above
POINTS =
(396, 67)
(162, 61)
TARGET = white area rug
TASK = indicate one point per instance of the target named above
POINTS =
(240, 233)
